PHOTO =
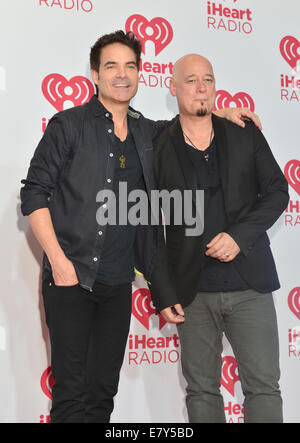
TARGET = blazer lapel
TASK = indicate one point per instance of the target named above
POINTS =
(145, 151)
(185, 162)
(222, 156)
(187, 167)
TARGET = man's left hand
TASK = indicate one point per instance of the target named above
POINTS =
(223, 248)
(238, 115)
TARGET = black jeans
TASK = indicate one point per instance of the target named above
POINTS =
(88, 333)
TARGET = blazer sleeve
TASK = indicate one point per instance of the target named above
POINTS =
(162, 291)
(272, 200)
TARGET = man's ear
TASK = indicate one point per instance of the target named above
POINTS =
(95, 76)
(173, 87)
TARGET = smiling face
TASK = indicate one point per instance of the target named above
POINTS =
(194, 85)
(117, 79)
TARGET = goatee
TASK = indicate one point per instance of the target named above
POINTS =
(201, 112)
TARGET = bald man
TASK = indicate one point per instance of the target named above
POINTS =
(222, 281)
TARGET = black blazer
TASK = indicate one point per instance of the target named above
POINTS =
(255, 193)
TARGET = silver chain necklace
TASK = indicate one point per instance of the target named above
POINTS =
(195, 147)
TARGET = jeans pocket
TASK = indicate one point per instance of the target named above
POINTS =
(49, 284)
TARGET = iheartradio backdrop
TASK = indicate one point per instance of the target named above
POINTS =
(255, 49)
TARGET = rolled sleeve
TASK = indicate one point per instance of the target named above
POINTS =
(45, 166)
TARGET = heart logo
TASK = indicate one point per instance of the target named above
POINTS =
(290, 51)
(142, 308)
(158, 30)
(241, 100)
(292, 174)
(47, 382)
(59, 91)
(229, 374)
(294, 302)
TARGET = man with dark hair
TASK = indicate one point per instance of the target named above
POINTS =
(127, 39)
(222, 281)
(88, 269)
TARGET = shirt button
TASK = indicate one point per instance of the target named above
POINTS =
(108, 180)
(95, 259)
(111, 154)
(110, 131)
(100, 232)
(107, 114)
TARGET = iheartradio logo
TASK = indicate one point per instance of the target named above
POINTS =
(229, 374)
(292, 174)
(290, 51)
(63, 93)
(142, 308)
(294, 302)
(240, 100)
(158, 30)
(47, 382)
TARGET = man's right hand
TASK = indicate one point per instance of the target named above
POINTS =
(63, 270)
(64, 273)
(173, 314)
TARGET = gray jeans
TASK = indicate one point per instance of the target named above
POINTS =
(249, 322)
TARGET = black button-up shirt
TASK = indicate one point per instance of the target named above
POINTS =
(117, 263)
(72, 163)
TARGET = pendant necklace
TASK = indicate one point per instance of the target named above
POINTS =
(206, 156)
(122, 158)
(122, 161)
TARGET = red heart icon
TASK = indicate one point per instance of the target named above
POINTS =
(289, 48)
(58, 90)
(158, 30)
(294, 302)
(241, 99)
(292, 174)
(142, 308)
(229, 374)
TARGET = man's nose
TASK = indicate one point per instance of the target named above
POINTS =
(121, 72)
(201, 86)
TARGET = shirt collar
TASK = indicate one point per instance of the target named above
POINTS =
(98, 108)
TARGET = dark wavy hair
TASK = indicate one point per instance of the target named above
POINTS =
(127, 39)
